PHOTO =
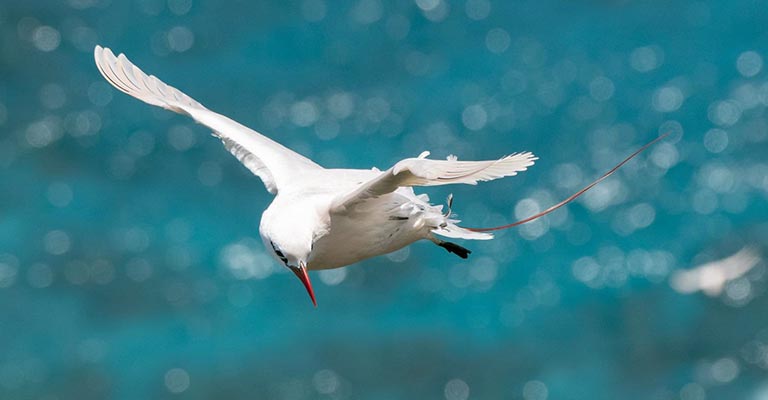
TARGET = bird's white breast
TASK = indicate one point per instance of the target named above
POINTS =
(381, 225)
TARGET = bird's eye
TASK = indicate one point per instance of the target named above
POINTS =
(279, 253)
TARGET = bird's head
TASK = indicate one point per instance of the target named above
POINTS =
(293, 252)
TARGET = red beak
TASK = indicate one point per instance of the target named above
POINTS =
(301, 273)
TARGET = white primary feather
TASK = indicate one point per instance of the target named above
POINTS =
(277, 166)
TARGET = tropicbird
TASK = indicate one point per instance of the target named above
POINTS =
(711, 277)
(329, 218)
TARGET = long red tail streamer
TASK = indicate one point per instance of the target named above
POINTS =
(573, 196)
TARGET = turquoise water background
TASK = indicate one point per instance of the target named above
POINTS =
(130, 261)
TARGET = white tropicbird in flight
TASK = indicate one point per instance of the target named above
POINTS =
(330, 218)
(712, 277)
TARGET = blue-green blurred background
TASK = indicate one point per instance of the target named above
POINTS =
(130, 262)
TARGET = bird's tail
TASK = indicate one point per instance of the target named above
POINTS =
(447, 226)
(451, 230)
(573, 196)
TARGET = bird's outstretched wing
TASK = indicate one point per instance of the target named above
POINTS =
(276, 165)
(425, 172)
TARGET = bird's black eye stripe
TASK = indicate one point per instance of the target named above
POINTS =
(279, 253)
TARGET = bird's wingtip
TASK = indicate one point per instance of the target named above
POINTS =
(102, 51)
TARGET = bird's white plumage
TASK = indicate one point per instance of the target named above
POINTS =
(326, 218)
(712, 277)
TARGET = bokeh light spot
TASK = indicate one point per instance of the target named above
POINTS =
(646, 59)
(177, 380)
(749, 63)
(497, 40)
(474, 117)
(456, 389)
(333, 277)
(667, 99)
(535, 390)
(46, 38)
(477, 9)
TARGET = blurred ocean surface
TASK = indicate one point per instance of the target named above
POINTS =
(130, 262)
